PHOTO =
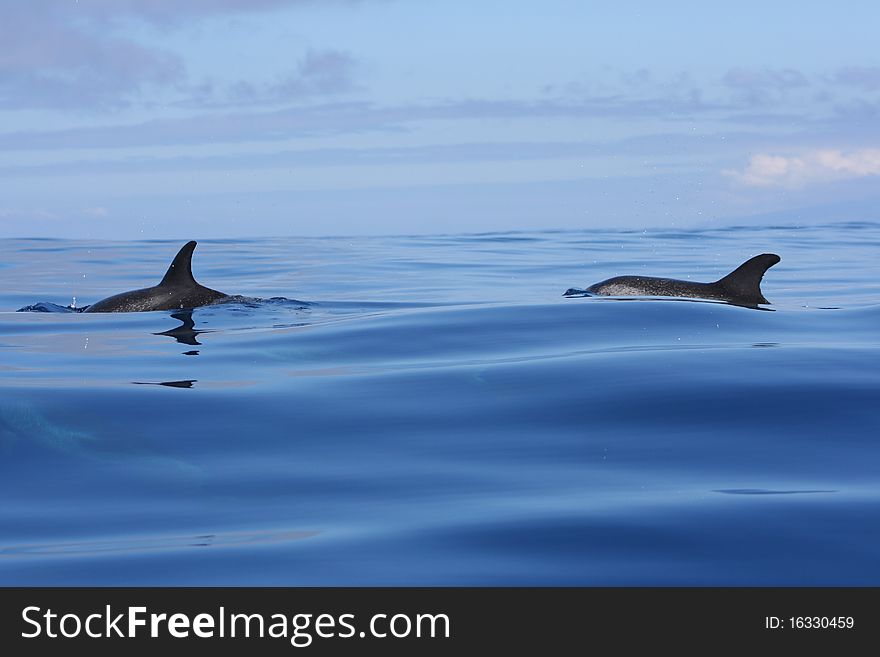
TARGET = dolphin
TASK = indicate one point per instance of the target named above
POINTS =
(176, 291)
(742, 286)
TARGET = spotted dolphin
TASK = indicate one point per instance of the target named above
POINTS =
(742, 286)
(177, 290)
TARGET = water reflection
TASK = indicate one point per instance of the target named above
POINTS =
(578, 293)
(767, 491)
(185, 333)
(150, 543)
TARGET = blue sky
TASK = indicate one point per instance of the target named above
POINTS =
(223, 118)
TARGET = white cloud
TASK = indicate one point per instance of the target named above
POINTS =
(810, 167)
(84, 55)
(96, 212)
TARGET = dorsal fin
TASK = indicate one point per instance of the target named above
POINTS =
(180, 271)
(744, 282)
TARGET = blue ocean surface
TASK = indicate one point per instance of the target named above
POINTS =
(432, 411)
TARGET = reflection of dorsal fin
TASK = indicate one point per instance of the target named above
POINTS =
(180, 271)
(744, 282)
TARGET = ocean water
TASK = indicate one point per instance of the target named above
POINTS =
(432, 411)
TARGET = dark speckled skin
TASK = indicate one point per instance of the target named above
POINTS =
(742, 286)
(177, 290)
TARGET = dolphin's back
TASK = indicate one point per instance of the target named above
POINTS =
(156, 298)
(741, 286)
(129, 302)
(178, 289)
(648, 286)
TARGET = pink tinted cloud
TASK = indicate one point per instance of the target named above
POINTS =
(176, 11)
(77, 54)
(48, 61)
(808, 168)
